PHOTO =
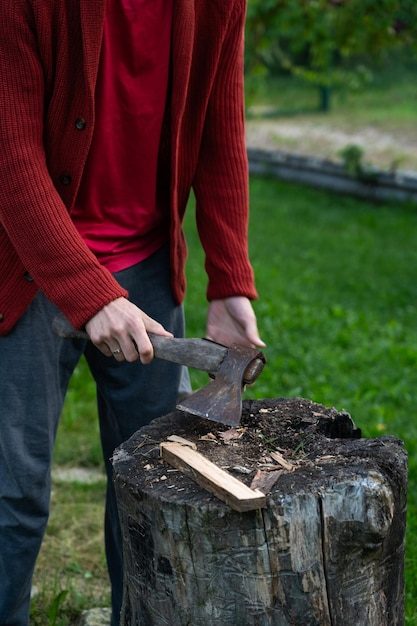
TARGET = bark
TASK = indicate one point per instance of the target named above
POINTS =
(327, 551)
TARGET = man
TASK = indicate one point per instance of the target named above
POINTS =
(110, 111)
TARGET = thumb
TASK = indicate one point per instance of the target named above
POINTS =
(251, 331)
(240, 308)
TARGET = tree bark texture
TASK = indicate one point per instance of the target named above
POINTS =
(327, 551)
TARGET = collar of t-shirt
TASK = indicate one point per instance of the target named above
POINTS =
(117, 210)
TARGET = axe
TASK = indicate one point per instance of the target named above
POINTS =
(231, 369)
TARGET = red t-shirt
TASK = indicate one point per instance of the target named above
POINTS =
(117, 210)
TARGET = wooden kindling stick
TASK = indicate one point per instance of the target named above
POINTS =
(227, 488)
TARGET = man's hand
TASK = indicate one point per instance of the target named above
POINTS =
(233, 320)
(120, 330)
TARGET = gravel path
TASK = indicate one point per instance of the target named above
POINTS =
(84, 475)
(381, 148)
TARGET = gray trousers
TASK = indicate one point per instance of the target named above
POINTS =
(35, 368)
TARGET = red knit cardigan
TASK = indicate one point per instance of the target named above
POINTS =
(49, 54)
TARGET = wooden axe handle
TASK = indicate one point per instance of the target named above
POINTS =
(197, 353)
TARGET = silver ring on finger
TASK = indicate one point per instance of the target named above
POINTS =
(116, 351)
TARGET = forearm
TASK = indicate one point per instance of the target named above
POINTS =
(221, 181)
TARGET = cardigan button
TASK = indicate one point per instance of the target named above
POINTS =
(28, 277)
(65, 179)
(1, 317)
(80, 123)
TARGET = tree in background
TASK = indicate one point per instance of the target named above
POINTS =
(326, 42)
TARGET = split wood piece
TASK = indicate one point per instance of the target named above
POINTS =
(227, 488)
(182, 441)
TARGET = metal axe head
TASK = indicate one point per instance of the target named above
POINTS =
(221, 399)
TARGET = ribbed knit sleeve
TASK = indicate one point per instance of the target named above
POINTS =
(31, 211)
(221, 181)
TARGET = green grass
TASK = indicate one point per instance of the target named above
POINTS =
(387, 101)
(80, 445)
(338, 306)
(71, 573)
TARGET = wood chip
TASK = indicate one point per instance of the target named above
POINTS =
(265, 480)
(182, 441)
(148, 466)
(241, 469)
(209, 437)
(232, 433)
(281, 461)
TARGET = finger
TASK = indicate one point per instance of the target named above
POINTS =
(142, 341)
(228, 337)
(117, 352)
(152, 326)
(104, 349)
(126, 339)
(238, 333)
(252, 335)
(143, 346)
(134, 342)
(138, 344)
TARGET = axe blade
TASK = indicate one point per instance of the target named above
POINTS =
(217, 401)
(221, 400)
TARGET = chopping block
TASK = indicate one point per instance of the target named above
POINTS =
(326, 550)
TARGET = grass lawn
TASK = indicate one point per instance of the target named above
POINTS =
(338, 307)
(71, 570)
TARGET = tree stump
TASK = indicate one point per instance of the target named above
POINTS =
(327, 550)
